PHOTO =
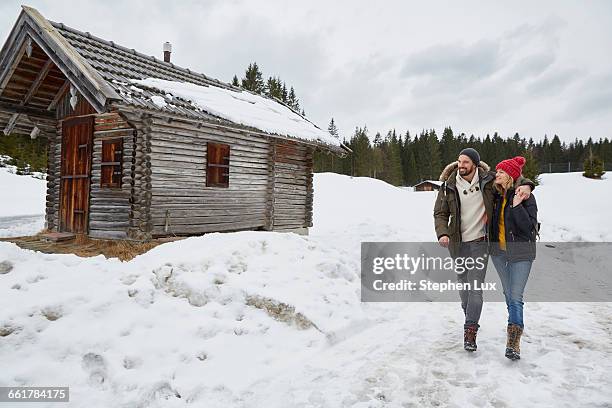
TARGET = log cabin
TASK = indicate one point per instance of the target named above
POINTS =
(427, 185)
(139, 148)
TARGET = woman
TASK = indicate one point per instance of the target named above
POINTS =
(512, 233)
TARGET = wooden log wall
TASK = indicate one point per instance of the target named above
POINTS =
(181, 203)
(140, 225)
(110, 209)
(54, 144)
(292, 185)
(164, 190)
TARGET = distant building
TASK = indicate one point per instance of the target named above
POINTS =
(428, 185)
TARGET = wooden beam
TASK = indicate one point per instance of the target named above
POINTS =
(38, 81)
(11, 124)
(62, 91)
(10, 69)
(34, 112)
(90, 82)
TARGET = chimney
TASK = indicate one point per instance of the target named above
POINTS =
(167, 51)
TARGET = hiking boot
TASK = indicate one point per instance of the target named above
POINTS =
(513, 342)
(469, 337)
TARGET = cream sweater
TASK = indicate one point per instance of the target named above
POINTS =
(473, 212)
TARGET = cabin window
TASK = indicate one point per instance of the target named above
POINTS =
(217, 165)
(112, 154)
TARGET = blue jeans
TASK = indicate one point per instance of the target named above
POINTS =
(513, 276)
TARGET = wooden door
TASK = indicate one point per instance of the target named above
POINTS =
(77, 137)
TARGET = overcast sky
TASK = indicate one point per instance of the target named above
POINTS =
(535, 68)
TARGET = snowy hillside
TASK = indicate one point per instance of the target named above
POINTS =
(262, 319)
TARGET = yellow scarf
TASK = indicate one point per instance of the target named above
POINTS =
(502, 229)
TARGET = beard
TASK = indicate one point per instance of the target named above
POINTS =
(464, 171)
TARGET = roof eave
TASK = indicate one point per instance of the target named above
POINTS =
(98, 92)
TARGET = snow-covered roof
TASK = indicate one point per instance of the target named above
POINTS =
(436, 182)
(109, 75)
(241, 107)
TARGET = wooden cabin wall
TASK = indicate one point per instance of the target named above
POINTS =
(181, 203)
(140, 225)
(164, 188)
(292, 185)
(109, 208)
(54, 143)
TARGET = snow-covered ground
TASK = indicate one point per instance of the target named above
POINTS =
(262, 319)
(22, 202)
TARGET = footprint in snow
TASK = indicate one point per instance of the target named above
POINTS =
(130, 363)
(52, 313)
(5, 267)
(95, 366)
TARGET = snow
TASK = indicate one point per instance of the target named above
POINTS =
(159, 101)
(575, 208)
(254, 319)
(21, 225)
(436, 182)
(243, 108)
(22, 204)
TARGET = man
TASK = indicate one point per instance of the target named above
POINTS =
(463, 207)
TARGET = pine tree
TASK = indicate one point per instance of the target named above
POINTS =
(531, 169)
(292, 100)
(392, 160)
(421, 155)
(432, 166)
(487, 152)
(235, 81)
(545, 158)
(274, 88)
(253, 79)
(593, 166)
(362, 153)
(284, 93)
(324, 161)
(332, 128)
(556, 152)
(499, 150)
(413, 176)
(448, 146)
(377, 157)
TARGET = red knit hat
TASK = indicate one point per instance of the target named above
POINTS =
(513, 166)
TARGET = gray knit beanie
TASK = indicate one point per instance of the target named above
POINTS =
(472, 154)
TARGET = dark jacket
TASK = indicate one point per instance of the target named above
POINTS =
(447, 213)
(520, 225)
